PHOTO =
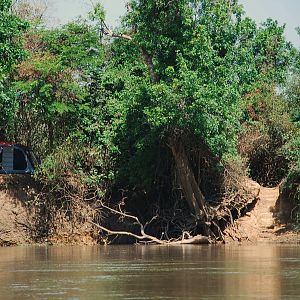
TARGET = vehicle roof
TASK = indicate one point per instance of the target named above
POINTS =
(3, 143)
(9, 144)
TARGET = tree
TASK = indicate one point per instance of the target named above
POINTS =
(53, 112)
(202, 58)
(31, 10)
(11, 52)
(51, 84)
(291, 186)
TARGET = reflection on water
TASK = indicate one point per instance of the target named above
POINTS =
(150, 272)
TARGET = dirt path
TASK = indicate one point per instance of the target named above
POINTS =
(260, 224)
(264, 211)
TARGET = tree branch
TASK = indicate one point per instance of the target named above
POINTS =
(198, 239)
(146, 56)
(149, 62)
(107, 31)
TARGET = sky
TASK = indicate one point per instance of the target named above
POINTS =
(65, 10)
(284, 11)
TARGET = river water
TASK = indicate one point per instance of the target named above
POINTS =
(150, 272)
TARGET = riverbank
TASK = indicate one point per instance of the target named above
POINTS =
(266, 222)
(25, 220)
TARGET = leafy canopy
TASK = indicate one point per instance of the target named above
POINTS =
(11, 52)
(206, 56)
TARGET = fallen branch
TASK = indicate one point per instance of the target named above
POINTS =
(138, 237)
(198, 239)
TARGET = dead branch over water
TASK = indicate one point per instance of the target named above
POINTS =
(143, 236)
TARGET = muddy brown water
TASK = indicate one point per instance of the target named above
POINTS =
(151, 272)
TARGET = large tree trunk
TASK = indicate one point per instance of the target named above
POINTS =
(188, 183)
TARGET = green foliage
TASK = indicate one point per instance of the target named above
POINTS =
(291, 187)
(291, 191)
(206, 57)
(74, 168)
(267, 130)
(292, 88)
(99, 112)
(292, 148)
(11, 52)
(98, 13)
(51, 85)
(76, 44)
(54, 111)
(293, 98)
(11, 27)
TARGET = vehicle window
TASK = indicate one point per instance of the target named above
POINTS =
(31, 158)
(20, 162)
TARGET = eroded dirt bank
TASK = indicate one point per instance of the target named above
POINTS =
(265, 222)
(25, 219)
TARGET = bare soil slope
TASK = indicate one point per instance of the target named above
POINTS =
(26, 219)
(261, 223)
(15, 219)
